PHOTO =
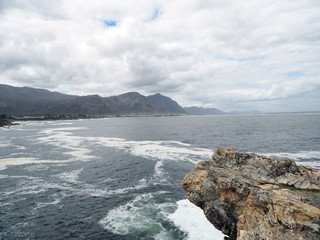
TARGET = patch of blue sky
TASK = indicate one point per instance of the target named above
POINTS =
(64, 91)
(155, 14)
(110, 23)
(295, 74)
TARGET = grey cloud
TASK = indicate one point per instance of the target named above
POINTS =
(212, 53)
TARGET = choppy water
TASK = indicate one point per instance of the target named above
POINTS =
(120, 178)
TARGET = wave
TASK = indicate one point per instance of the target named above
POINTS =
(302, 155)
(8, 144)
(197, 226)
(55, 201)
(156, 150)
(4, 162)
(4, 145)
(145, 215)
(71, 177)
(307, 158)
(65, 138)
(62, 138)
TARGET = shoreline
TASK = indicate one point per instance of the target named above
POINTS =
(7, 122)
(14, 119)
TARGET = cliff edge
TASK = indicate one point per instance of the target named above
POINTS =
(251, 197)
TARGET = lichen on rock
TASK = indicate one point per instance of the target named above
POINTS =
(247, 196)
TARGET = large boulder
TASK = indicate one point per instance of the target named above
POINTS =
(247, 196)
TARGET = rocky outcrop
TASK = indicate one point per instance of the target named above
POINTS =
(247, 196)
(6, 122)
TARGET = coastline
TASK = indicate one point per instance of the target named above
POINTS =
(7, 122)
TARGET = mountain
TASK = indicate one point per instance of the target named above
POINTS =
(165, 104)
(203, 111)
(89, 105)
(132, 102)
(26, 100)
(30, 101)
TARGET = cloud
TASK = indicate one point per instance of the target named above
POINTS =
(217, 53)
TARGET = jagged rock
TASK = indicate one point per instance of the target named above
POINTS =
(247, 196)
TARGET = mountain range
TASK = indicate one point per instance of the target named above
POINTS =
(27, 101)
(31, 101)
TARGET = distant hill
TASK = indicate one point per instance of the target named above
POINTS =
(132, 102)
(203, 111)
(245, 112)
(30, 101)
(165, 104)
(26, 100)
(88, 105)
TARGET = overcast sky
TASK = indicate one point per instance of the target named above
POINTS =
(233, 55)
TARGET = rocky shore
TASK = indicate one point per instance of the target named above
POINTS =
(251, 197)
(6, 122)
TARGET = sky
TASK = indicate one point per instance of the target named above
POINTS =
(233, 55)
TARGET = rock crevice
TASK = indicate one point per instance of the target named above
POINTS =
(247, 196)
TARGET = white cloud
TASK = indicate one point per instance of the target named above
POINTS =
(227, 54)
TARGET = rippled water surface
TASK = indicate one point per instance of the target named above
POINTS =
(120, 178)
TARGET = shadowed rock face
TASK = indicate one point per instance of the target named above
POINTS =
(247, 196)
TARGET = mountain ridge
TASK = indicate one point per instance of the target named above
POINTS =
(33, 101)
(165, 104)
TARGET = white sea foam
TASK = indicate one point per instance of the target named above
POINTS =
(37, 167)
(190, 219)
(56, 200)
(31, 187)
(3, 167)
(7, 144)
(15, 161)
(71, 177)
(91, 190)
(60, 137)
(141, 215)
(302, 155)
(155, 150)
(52, 130)
(5, 204)
(59, 123)
(163, 150)
(44, 204)
(142, 183)
(4, 145)
(159, 151)
(159, 173)
(313, 164)
(4, 162)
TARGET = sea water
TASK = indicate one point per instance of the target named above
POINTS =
(120, 178)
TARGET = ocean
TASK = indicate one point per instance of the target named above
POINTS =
(120, 178)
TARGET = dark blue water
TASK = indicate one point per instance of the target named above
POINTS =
(120, 178)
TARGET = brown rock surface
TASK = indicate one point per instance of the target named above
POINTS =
(247, 196)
